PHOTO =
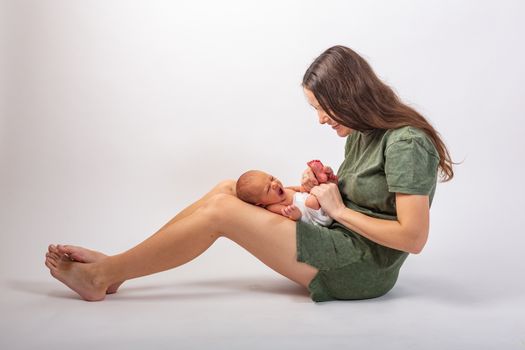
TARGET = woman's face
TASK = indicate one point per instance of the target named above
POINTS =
(324, 118)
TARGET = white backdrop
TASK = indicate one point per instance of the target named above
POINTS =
(117, 114)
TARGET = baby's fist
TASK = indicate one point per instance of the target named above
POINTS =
(291, 211)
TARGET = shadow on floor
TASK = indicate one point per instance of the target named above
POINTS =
(208, 288)
(40, 288)
(451, 291)
(430, 288)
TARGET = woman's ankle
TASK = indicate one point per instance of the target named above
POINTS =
(103, 273)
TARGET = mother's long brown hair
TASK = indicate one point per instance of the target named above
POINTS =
(350, 92)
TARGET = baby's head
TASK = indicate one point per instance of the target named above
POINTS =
(259, 188)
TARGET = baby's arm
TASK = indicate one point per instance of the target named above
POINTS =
(312, 202)
(292, 212)
(275, 208)
(289, 211)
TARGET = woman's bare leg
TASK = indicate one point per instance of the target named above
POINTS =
(79, 254)
(269, 237)
(84, 255)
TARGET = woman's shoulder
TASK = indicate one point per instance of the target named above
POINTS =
(409, 134)
(404, 133)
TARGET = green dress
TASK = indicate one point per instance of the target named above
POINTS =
(376, 166)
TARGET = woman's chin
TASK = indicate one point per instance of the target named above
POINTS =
(343, 132)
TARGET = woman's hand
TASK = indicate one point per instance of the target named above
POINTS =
(308, 181)
(329, 198)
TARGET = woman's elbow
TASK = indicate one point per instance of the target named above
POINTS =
(418, 243)
(416, 249)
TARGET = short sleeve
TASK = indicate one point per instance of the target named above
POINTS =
(410, 168)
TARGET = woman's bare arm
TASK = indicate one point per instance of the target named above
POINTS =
(408, 233)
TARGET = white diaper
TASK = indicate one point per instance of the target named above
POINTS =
(310, 215)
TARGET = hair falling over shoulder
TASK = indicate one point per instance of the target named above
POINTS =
(350, 92)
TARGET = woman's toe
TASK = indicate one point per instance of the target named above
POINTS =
(49, 264)
(54, 256)
(53, 262)
(63, 249)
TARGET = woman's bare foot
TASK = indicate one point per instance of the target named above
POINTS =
(80, 277)
(82, 255)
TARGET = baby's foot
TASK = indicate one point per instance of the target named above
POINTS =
(83, 255)
(80, 277)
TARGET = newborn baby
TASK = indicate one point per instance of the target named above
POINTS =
(262, 189)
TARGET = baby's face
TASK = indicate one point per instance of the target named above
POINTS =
(271, 189)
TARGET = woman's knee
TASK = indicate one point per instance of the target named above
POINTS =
(217, 206)
(226, 187)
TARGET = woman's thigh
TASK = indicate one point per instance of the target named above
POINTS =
(268, 236)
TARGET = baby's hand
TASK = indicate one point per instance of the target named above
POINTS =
(292, 212)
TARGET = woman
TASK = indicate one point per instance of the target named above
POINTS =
(380, 206)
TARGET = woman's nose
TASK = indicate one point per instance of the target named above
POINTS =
(323, 118)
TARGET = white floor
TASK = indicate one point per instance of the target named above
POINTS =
(200, 306)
